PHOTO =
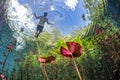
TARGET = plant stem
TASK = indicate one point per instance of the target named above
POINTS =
(76, 68)
(38, 49)
(82, 70)
(44, 72)
(27, 70)
(21, 74)
(4, 62)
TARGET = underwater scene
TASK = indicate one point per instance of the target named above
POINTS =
(59, 39)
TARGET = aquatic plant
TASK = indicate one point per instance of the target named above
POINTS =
(98, 30)
(75, 50)
(100, 59)
(2, 76)
(44, 61)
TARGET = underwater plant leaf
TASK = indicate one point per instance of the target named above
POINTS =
(75, 50)
(71, 46)
(48, 59)
(65, 52)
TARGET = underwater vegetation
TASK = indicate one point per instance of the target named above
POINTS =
(89, 53)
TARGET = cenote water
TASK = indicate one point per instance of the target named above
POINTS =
(59, 39)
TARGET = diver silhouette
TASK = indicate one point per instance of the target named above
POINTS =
(41, 23)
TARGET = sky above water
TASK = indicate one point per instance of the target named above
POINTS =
(64, 14)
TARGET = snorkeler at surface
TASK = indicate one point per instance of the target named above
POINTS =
(41, 23)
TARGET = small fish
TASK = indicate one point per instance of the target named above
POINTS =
(17, 60)
(1, 62)
(4, 54)
(14, 39)
(22, 29)
(9, 47)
